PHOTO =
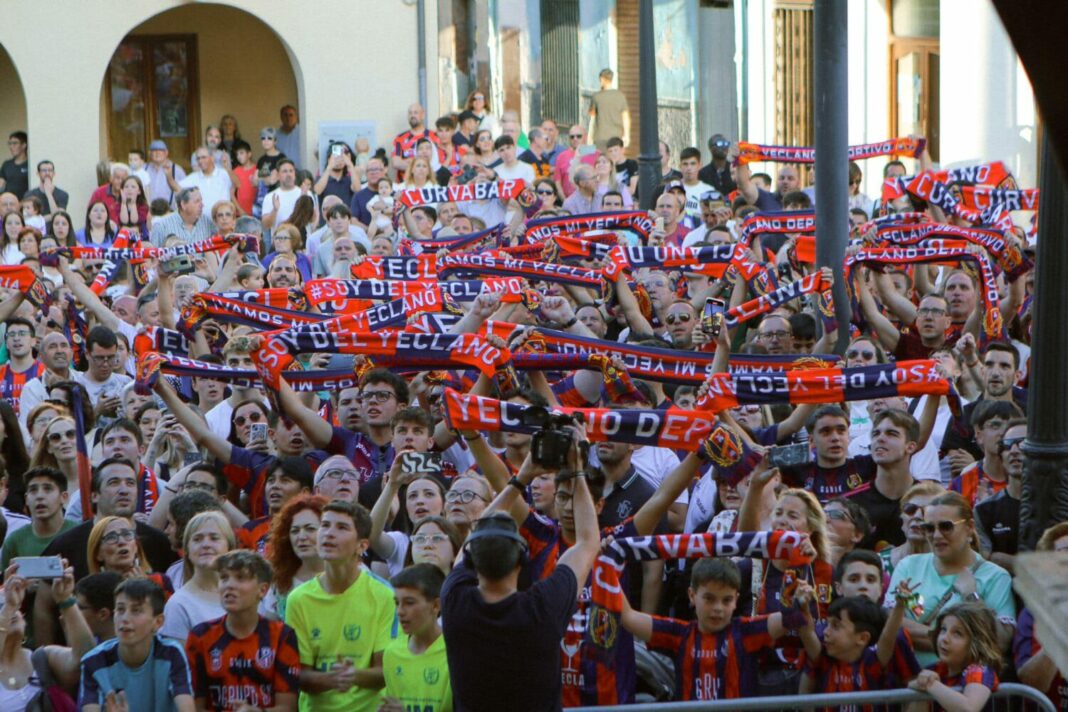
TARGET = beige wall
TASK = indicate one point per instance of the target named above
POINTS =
(12, 100)
(350, 59)
(243, 66)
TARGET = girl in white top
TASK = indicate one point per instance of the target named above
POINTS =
(207, 536)
(424, 497)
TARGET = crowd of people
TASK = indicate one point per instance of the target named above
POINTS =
(263, 498)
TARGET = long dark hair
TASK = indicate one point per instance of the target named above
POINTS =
(16, 459)
(109, 229)
(71, 236)
(141, 200)
(303, 215)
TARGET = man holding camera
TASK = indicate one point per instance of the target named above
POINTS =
(718, 171)
(502, 643)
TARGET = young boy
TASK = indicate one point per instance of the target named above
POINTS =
(715, 654)
(859, 573)
(847, 660)
(138, 669)
(46, 495)
(416, 670)
(243, 658)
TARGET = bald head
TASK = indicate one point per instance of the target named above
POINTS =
(8, 203)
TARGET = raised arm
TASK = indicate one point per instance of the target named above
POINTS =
(196, 426)
(899, 305)
(580, 557)
(888, 638)
(886, 332)
(639, 624)
(509, 498)
(319, 432)
(656, 507)
(87, 296)
(381, 544)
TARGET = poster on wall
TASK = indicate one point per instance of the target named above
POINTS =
(347, 132)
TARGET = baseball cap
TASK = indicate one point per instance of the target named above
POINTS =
(498, 524)
(157, 145)
(267, 132)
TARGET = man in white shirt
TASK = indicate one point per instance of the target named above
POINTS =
(510, 167)
(690, 165)
(214, 184)
(279, 203)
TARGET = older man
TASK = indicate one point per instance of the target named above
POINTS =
(110, 192)
(188, 222)
(213, 182)
(165, 175)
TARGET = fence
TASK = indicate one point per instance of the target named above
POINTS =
(1008, 696)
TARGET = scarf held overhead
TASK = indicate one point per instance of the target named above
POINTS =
(752, 152)
(499, 190)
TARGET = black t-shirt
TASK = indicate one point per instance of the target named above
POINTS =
(720, 179)
(884, 514)
(73, 544)
(625, 500)
(830, 482)
(998, 517)
(626, 170)
(270, 161)
(506, 655)
(542, 167)
(16, 177)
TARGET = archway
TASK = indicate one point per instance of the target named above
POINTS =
(13, 107)
(181, 70)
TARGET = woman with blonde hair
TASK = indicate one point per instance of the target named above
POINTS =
(913, 505)
(207, 536)
(288, 240)
(767, 586)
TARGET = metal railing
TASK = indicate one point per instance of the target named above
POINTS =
(877, 699)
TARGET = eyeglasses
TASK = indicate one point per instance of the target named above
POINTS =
(930, 311)
(423, 539)
(119, 535)
(775, 335)
(376, 396)
(681, 318)
(113, 358)
(1010, 443)
(478, 97)
(911, 509)
(946, 526)
(462, 496)
(65, 435)
(563, 498)
(862, 355)
(839, 514)
(576, 136)
(197, 486)
(21, 333)
(253, 417)
(342, 475)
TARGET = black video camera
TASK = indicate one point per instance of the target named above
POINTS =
(551, 444)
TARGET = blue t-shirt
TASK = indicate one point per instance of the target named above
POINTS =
(151, 687)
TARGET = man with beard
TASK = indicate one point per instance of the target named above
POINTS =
(997, 518)
(718, 171)
(404, 145)
(929, 335)
(776, 335)
(1000, 364)
(114, 493)
(283, 273)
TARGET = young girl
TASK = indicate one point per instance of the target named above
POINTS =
(965, 675)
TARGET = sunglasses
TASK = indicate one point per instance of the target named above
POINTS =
(545, 192)
(839, 514)
(575, 136)
(65, 435)
(859, 354)
(945, 526)
(1009, 443)
(677, 318)
(911, 509)
(240, 420)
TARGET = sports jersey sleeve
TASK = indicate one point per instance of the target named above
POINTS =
(669, 635)
(89, 692)
(755, 634)
(903, 664)
(295, 620)
(180, 681)
(287, 662)
(197, 668)
(979, 675)
(1024, 644)
(244, 464)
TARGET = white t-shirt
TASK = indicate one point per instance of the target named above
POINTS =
(693, 202)
(287, 199)
(112, 387)
(219, 418)
(186, 609)
(213, 188)
(519, 170)
(702, 503)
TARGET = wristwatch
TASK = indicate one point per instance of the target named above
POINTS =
(514, 482)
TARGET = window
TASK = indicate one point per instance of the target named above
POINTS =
(152, 93)
(914, 70)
